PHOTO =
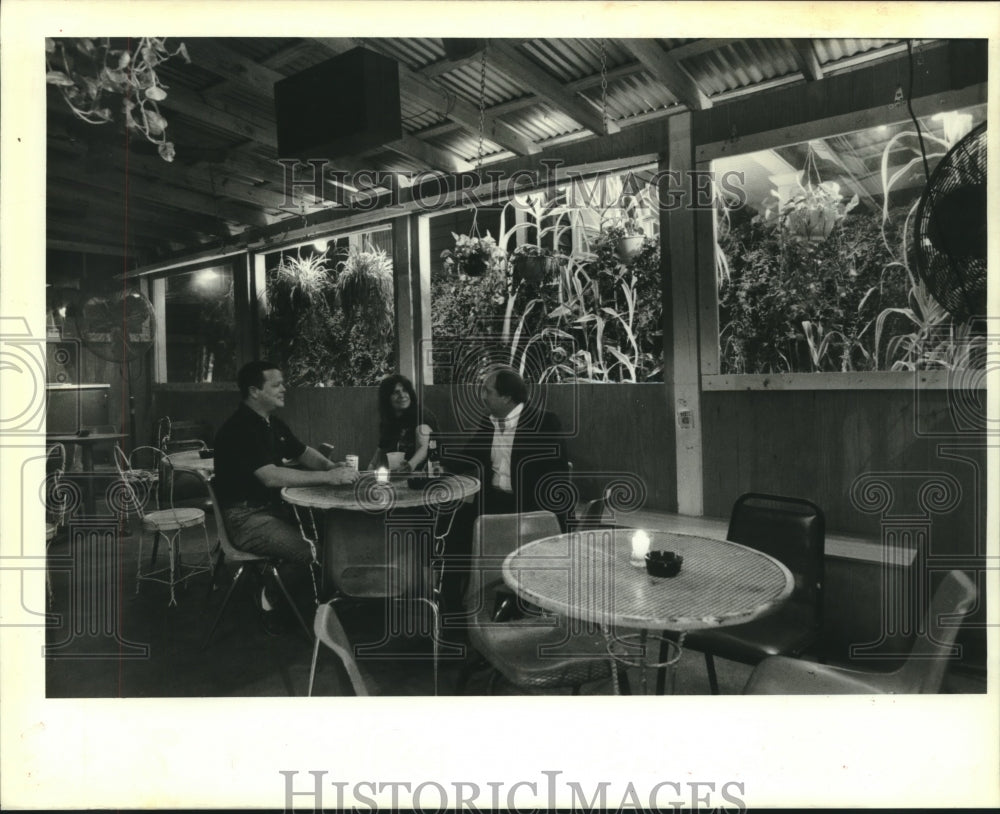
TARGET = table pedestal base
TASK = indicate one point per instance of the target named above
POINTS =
(631, 651)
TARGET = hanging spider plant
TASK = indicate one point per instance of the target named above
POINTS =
(307, 276)
(364, 285)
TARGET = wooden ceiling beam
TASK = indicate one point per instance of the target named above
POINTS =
(213, 53)
(428, 93)
(86, 246)
(690, 49)
(111, 179)
(220, 115)
(63, 199)
(667, 69)
(219, 183)
(807, 59)
(520, 69)
(143, 233)
(429, 155)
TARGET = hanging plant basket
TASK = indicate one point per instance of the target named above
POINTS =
(473, 256)
(811, 213)
(533, 265)
(629, 247)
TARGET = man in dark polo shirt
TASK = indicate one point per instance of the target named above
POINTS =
(253, 450)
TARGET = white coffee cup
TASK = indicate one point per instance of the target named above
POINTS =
(351, 461)
(395, 459)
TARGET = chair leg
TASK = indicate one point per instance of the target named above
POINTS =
(473, 662)
(435, 635)
(138, 564)
(625, 688)
(156, 547)
(713, 681)
(225, 602)
(172, 553)
(295, 608)
(494, 681)
(312, 669)
(215, 571)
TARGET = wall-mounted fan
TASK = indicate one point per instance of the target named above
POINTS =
(947, 246)
(118, 328)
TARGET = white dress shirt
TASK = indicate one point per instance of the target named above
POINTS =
(503, 441)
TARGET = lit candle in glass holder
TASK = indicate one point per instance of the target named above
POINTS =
(382, 475)
(640, 548)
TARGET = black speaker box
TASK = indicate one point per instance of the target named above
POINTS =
(345, 105)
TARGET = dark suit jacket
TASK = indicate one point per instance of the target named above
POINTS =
(538, 467)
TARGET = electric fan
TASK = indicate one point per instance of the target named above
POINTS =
(947, 247)
(118, 328)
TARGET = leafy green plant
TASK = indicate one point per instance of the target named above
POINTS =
(88, 71)
(473, 256)
(307, 329)
(364, 286)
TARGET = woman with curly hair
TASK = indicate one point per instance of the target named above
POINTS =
(403, 426)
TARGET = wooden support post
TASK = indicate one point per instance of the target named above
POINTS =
(407, 267)
(680, 267)
(244, 301)
(421, 287)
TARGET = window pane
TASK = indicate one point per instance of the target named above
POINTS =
(571, 292)
(200, 326)
(329, 316)
(818, 258)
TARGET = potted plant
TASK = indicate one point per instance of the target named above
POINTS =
(532, 263)
(90, 73)
(364, 286)
(473, 256)
(626, 236)
(811, 213)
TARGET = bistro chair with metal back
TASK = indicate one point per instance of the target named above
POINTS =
(241, 559)
(142, 467)
(167, 521)
(923, 672)
(56, 500)
(597, 513)
(791, 530)
(533, 652)
(331, 633)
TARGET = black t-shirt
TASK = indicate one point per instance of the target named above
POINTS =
(244, 444)
(400, 435)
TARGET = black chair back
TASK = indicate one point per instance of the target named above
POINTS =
(790, 529)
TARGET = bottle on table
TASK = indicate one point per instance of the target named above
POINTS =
(434, 468)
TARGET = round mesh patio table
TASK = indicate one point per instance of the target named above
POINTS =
(369, 523)
(587, 575)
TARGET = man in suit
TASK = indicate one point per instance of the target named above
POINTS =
(517, 452)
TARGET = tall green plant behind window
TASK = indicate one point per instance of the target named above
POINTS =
(812, 266)
(566, 301)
